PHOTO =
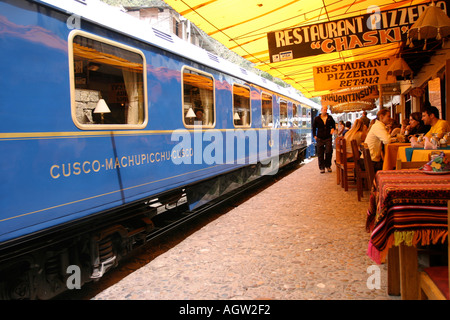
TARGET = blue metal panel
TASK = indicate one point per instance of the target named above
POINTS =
(52, 172)
(34, 69)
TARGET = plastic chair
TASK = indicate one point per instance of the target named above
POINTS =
(435, 281)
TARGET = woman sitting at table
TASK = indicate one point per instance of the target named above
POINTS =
(416, 125)
(405, 124)
(393, 127)
(340, 128)
(357, 132)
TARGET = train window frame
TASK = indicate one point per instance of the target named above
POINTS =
(304, 116)
(189, 106)
(295, 116)
(141, 113)
(249, 124)
(285, 123)
(271, 109)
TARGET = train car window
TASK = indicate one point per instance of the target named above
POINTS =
(283, 113)
(267, 110)
(304, 116)
(198, 98)
(295, 114)
(241, 106)
(108, 83)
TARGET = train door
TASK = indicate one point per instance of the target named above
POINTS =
(268, 136)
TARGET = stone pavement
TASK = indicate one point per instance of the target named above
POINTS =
(302, 237)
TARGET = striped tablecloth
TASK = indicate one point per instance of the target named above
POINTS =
(406, 206)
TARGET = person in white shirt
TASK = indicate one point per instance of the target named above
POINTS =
(377, 136)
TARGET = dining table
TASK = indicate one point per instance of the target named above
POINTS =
(407, 209)
(408, 153)
(390, 154)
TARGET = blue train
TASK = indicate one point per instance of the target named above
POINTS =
(104, 121)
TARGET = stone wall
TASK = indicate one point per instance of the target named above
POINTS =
(86, 101)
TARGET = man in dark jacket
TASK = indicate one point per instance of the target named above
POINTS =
(323, 129)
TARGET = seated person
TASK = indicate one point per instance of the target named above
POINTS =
(430, 116)
(347, 127)
(358, 133)
(405, 124)
(199, 115)
(416, 125)
(340, 128)
(393, 127)
(377, 136)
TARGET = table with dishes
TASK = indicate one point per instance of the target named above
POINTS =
(408, 153)
(407, 208)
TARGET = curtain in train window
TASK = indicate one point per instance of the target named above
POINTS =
(283, 114)
(241, 106)
(198, 100)
(107, 73)
(267, 110)
(295, 114)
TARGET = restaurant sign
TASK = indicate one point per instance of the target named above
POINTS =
(366, 94)
(376, 27)
(353, 74)
(353, 107)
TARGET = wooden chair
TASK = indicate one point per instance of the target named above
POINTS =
(368, 165)
(435, 281)
(348, 168)
(337, 160)
(409, 164)
(360, 173)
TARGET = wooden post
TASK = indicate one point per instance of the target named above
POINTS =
(409, 274)
(380, 92)
(393, 276)
(447, 90)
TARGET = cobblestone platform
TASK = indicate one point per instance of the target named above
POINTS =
(303, 237)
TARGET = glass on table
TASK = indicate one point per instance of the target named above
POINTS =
(435, 140)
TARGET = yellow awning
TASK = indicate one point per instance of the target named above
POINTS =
(242, 26)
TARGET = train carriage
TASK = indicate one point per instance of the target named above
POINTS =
(103, 119)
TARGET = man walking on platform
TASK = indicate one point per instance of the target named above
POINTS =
(323, 129)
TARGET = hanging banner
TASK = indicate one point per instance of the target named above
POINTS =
(353, 74)
(365, 94)
(374, 28)
(353, 107)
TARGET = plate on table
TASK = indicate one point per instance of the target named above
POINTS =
(435, 172)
